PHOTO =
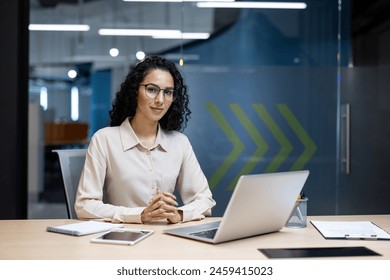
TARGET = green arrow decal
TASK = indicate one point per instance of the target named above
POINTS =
(238, 146)
(309, 145)
(285, 146)
(257, 138)
(262, 146)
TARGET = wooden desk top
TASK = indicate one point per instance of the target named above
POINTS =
(28, 239)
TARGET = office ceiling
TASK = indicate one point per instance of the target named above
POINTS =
(56, 51)
(56, 48)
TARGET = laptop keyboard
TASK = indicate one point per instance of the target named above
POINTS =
(210, 233)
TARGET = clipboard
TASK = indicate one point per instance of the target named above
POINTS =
(353, 230)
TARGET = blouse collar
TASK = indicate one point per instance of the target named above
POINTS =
(130, 140)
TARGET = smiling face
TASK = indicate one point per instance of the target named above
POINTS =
(152, 110)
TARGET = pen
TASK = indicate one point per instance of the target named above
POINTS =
(299, 214)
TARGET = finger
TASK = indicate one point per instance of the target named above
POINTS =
(171, 195)
(165, 212)
(156, 198)
(169, 200)
(155, 214)
(166, 199)
(174, 217)
(161, 213)
(155, 205)
(168, 208)
(159, 208)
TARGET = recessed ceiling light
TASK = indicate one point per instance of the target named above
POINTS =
(185, 35)
(253, 5)
(72, 73)
(140, 55)
(138, 32)
(114, 52)
(58, 27)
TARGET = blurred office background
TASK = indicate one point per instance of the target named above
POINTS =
(272, 89)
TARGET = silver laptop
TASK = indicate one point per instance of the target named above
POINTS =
(260, 203)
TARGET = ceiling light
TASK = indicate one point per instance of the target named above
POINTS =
(253, 5)
(139, 32)
(43, 98)
(185, 35)
(140, 55)
(72, 73)
(74, 101)
(195, 35)
(58, 27)
(114, 52)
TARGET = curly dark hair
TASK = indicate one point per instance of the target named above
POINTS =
(125, 102)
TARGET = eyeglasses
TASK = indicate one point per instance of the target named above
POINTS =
(152, 91)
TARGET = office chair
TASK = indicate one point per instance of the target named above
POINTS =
(72, 163)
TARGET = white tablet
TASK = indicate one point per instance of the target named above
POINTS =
(124, 236)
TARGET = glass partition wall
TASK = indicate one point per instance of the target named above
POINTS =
(266, 99)
(270, 91)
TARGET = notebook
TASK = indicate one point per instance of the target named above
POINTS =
(260, 203)
(83, 228)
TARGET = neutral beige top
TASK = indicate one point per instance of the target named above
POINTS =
(28, 239)
(123, 173)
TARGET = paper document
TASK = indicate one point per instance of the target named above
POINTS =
(351, 230)
(83, 228)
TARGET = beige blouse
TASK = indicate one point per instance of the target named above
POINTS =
(120, 176)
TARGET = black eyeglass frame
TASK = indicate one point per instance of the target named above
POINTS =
(165, 92)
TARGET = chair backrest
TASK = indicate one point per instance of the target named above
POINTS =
(72, 163)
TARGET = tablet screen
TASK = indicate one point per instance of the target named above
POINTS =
(123, 236)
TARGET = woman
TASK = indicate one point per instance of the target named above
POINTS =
(132, 168)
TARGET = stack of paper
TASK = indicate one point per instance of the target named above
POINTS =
(84, 228)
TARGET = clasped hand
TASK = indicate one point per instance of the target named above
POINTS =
(162, 206)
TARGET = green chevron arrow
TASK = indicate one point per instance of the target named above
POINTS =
(309, 145)
(238, 146)
(262, 146)
(285, 146)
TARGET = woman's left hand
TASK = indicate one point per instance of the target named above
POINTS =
(177, 216)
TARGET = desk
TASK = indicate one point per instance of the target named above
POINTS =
(28, 239)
